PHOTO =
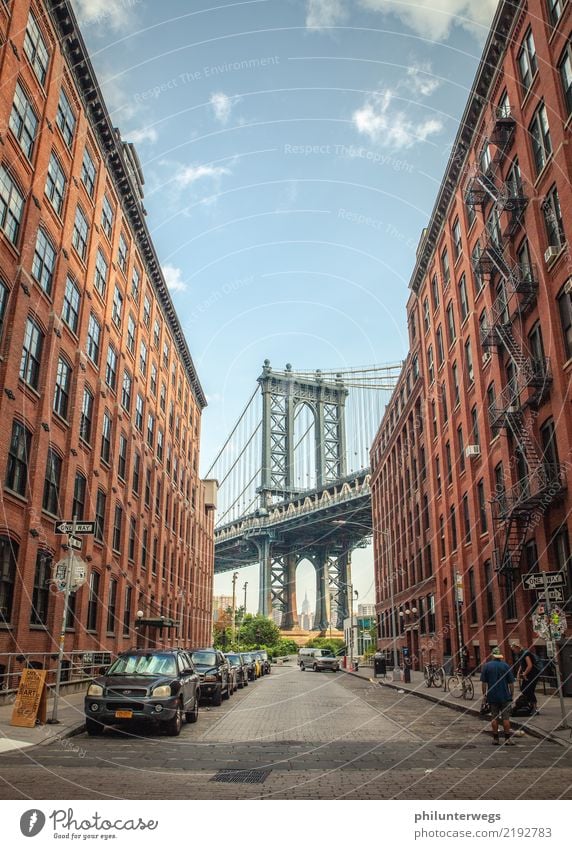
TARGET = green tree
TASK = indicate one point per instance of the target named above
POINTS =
(258, 630)
(335, 644)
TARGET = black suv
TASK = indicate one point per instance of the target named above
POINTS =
(214, 670)
(237, 663)
(152, 685)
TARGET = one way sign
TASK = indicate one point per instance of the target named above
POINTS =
(535, 580)
(80, 528)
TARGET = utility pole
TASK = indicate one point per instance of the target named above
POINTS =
(54, 718)
(233, 631)
(244, 609)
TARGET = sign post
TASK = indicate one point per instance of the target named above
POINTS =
(550, 626)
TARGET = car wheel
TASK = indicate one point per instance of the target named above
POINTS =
(240, 684)
(302, 668)
(93, 728)
(193, 715)
(227, 692)
(246, 682)
(217, 698)
(175, 724)
(315, 668)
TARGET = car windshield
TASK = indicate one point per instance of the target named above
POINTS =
(204, 658)
(247, 658)
(233, 659)
(263, 655)
(325, 653)
(144, 664)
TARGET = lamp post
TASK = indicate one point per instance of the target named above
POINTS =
(234, 580)
(395, 675)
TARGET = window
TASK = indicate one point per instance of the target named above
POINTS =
(560, 551)
(482, 506)
(536, 346)
(31, 354)
(44, 262)
(158, 498)
(565, 309)
(86, 416)
(122, 252)
(442, 545)
(163, 397)
(527, 60)
(451, 332)
(117, 307)
(553, 218)
(456, 387)
(477, 273)
(445, 270)
(435, 292)
(469, 362)
(166, 354)
(111, 368)
(131, 334)
(472, 606)
(448, 463)
(135, 284)
(88, 172)
(150, 430)
(457, 244)
(126, 391)
(148, 487)
(80, 233)
(160, 445)
(93, 601)
(489, 598)
(444, 403)
(471, 213)
(100, 514)
(143, 358)
(78, 504)
(565, 68)
(93, 339)
(156, 333)
(466, 518)
(127, 610)
(540, 137)
(132, 537)
(11, 206)
(107, 217)
(430, 364)
(144, 548)
(555, 8)
(494, 228)
(51, 497)
(36, 50)
(62, 388)
(440, 349)
(153, 382)
(475, 426)
(117, 522)
(65, 118)
(136, 473)
(112, 602)
(139, 405)
(549, 450)
(55, 184)
(70, 310)
(453, 525)
(146, 311)
(24, 121)
(4, 295)
(100, 277)
(463, 300)
(41, 591)
(461, 448)
(106, 437)
(434, 418)
(122, 457)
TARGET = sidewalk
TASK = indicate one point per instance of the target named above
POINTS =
(70, 714)
(543, 726)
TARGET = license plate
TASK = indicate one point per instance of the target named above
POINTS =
(123, 714)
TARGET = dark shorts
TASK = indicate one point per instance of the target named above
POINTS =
(501, 710)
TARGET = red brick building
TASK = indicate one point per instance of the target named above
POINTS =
(471, 479)
(100, 402)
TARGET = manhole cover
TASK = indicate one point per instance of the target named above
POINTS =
(455, 746)
(242, 776)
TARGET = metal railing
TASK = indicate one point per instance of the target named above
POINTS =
(77, 666)
(535, 491)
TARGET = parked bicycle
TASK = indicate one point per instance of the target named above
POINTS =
(461, 685)
(434, 675)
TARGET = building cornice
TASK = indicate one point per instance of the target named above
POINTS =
(75, 51)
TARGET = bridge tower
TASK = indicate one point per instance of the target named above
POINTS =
(282, 393)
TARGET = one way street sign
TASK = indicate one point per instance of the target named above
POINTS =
(80, 527)
(535, 580)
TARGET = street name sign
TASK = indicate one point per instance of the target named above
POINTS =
(76, 543)
(80, 528)
(535, 580)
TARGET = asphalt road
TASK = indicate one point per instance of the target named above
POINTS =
(304, 735)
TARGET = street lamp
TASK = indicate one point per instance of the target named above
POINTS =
(392, 603)
(234, 580)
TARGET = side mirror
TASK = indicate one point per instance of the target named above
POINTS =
(102, 670)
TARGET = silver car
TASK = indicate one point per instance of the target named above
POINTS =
(318, 659)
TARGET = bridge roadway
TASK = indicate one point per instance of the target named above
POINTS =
(321, 525)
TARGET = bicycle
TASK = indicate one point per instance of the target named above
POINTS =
(433, 675)
(461, 686)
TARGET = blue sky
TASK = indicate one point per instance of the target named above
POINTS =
(292, 151)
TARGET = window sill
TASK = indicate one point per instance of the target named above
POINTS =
(14, 494)
(38, 627)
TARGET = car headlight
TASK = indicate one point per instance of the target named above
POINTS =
(210, 677)
(95, 690)
(162, 692)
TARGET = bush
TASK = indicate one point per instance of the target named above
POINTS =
(336, 645)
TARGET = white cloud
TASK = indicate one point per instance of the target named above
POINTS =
(325, 13)
(115, 14)
(390, 127)
(222, 106)
(419, 79)
(434, 19)
(145, 134)
(174, 278)
(190, 174)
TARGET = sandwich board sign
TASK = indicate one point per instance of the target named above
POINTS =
(31, 699)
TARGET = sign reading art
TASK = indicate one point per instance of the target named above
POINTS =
(31, 699)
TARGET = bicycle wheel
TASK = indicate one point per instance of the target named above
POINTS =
(428, 677)
(468, 690)
(455, 686)
(441, 676)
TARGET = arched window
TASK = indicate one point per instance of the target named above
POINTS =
(8, 560)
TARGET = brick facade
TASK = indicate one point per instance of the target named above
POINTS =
(50, 286)
(490, 338)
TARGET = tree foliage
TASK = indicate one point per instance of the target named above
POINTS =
(258, 630)
(335, 644)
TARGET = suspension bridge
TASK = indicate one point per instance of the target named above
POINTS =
(294, 483)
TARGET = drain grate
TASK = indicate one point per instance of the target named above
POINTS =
(242, 776)
(455, 746)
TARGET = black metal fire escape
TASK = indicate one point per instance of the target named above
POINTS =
(540, 482)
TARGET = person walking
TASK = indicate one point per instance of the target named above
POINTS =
(497, 681)
(528, 672)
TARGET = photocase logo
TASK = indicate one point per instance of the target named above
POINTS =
(32, 822)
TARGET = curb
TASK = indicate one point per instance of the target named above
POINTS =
(460, 708)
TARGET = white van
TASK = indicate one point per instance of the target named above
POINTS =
(317, 659)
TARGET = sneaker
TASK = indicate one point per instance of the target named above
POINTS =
(496, 741)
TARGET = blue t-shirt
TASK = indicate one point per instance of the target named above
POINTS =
(497, 675)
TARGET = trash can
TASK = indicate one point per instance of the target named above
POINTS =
(379, 666)
(406, 672)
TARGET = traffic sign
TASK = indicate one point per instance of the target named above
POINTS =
(78, 575)
(554, 594)
(76, 543)
(536, 579)
(80, 527)
(550, 648)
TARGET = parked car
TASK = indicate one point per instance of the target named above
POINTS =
(318, 660)
(153, 685)
(237, 662)
(262, 657)
(213, 668)
(250, 665)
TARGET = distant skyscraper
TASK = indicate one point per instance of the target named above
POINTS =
(306, 618)
(366, 610)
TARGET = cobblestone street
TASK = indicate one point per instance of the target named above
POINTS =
(306, 735)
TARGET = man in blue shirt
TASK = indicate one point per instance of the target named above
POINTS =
(497, 682)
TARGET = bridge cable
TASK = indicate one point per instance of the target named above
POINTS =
(233, 431)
